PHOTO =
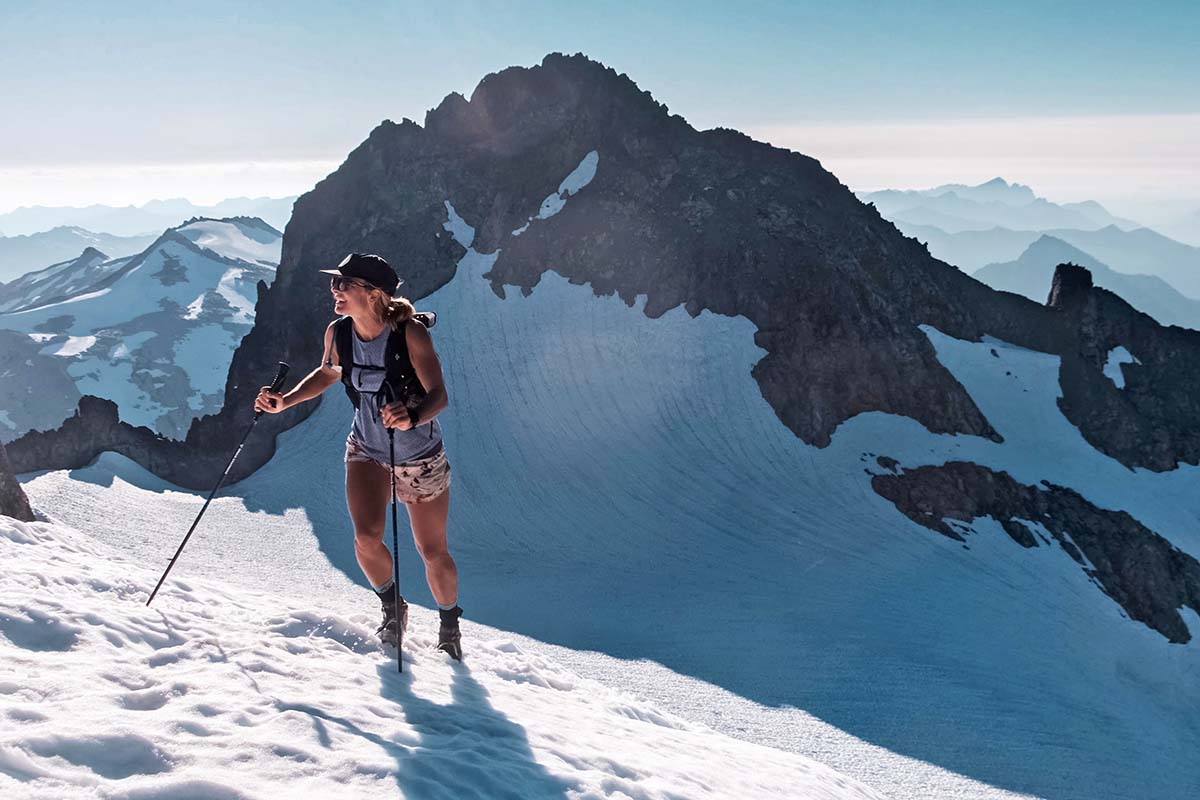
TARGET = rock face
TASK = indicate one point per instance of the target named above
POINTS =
(1132, 564)
(93, 429)
(13, 502)
(708, 219)
(1149, 422)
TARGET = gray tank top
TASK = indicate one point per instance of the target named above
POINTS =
(368, 427)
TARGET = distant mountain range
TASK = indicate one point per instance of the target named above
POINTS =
(148, 218)
(153, 332)
(995, 222)
(21, 254)
(1032, 273)
(1185, 229)
(955, 208)
(1140, 251)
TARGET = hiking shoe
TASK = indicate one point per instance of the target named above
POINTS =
(449, 637)
(388, 631)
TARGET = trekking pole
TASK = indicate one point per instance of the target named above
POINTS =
(395, 551)
(275, 386)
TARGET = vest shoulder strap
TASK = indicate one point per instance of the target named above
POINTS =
(343, 329)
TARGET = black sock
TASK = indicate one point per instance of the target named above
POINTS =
(450, 616)
(387, 596)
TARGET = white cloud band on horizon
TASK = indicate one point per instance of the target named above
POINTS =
(136, 184)
(1136, 164)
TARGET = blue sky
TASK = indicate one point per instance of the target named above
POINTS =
(289, 88)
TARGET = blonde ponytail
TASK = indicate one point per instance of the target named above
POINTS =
(395, 311)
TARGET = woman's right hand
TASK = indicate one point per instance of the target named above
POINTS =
(268, 401)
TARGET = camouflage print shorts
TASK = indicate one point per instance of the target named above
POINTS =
(418, 480)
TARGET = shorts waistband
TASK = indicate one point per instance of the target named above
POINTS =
(354, 442)
(433, 451)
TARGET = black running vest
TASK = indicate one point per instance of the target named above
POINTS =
(400, 380)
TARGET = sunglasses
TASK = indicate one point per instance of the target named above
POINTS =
(342, 284)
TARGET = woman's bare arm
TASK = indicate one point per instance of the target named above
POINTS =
(311, 385)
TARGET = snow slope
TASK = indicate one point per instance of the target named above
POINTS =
(621, 486)
(160, 330)
(222, 693)
(20, 254)
(242, 239)
(59, 281)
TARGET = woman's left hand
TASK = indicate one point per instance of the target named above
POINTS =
(395, 415)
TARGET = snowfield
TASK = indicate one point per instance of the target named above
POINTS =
(216, 692)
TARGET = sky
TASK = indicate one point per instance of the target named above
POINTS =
(127, 101)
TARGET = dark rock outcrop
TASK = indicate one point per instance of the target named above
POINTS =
(13, 502)
(1150, 578)
(95, 428)
(1070, 286)
(1150, 422)
(707, 219)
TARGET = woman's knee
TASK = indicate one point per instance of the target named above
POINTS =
(367, 538)
(434, 553)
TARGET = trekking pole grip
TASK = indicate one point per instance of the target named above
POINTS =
(276, 383)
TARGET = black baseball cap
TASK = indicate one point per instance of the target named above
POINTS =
(369, 268)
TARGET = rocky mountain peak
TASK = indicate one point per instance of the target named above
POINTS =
(91, 255)
(518, 105)
(13, 502)
(1070, 286)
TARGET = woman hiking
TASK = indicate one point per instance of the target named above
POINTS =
(384, 356)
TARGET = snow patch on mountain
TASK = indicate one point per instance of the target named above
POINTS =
(1112, 365)
(463, 233)
(194, 355)
(578, 178)
(73, 346)
(257, 244)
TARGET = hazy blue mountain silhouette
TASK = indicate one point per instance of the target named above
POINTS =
(955, 208)
(1031, 274)
(147, 219)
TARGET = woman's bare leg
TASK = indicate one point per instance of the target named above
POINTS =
(428, 522)
(368, 492)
